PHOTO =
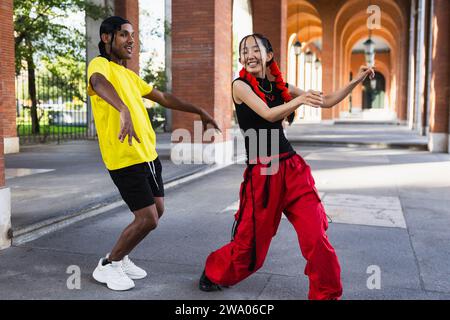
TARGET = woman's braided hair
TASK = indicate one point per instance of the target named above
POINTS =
(274, 71)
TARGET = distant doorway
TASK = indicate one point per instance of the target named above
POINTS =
(374, 91)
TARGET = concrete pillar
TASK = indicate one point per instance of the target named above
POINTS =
(439, 94)
(428, 62)
(7, 79)
(129, 9)
(92, 40)
(202, 74)
(5, 199)
(420, 67)
(328, 53)
(269, 18)
(7, 114)
(411, 65)
(168, 57)
(5, 217)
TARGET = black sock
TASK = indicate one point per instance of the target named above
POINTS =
(105, 262)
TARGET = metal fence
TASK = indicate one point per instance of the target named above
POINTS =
(59, 113)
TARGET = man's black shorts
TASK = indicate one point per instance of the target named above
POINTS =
(139, 184)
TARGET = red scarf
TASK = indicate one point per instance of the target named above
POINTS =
(274, 71)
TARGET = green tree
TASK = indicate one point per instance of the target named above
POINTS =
(38, 32)
(156, 75)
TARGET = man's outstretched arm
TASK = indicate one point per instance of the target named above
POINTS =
(169, 101)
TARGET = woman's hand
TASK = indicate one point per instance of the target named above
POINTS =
(311, 98)
(365, 71)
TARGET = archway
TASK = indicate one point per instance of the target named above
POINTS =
(351, 27)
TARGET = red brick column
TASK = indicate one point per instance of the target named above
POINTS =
(7, 113)
(202, 66)
(7, 78)
(202, 59)
(439, 95)
(129, 9)
(2, 160)
(269, 18)
(328, 50)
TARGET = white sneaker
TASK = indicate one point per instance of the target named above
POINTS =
(132, 270)
(113, 275)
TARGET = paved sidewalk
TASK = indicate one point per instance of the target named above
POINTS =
(52, 181)
(372, 135)
(403, 196)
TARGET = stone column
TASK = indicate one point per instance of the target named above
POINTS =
(92, 40)
(168, 57)
(328, 52)
(8, 139)
(420, 67)
(7, 79)
(411, 65)
(202, 75)
(269, 18)
(439, 93)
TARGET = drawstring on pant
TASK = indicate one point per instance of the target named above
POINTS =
(152, 168)
(252, 265)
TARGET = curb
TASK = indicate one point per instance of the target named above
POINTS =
(374, 145)
(45, 227)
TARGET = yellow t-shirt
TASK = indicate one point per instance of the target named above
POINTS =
(131, 88)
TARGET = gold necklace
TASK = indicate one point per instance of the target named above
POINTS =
(265, 90)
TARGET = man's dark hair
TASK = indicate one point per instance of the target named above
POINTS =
(110, 26)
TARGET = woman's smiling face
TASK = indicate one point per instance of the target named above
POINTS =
(254, 56)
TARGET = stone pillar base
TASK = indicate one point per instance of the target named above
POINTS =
(5, 218)
(11, 145)
(438, 142)
(202, 153)
(448, 147)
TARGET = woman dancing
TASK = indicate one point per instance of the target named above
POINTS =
(276, 179)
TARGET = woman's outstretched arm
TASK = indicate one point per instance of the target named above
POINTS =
(243, 93)
(334, 98)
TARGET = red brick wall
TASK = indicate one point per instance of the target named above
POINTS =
(269, 18)
(7, 83)
(202, 59)
(129, 9)
(2, 160)
(439, 95)
(7, 70)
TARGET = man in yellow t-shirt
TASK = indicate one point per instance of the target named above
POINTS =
(127, 144)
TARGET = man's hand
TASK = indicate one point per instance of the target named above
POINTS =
(207, 119)
(126, 127)
(365, 71)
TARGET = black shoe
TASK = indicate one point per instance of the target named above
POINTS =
(207, 285)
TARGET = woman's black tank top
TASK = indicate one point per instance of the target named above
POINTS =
(262, 138)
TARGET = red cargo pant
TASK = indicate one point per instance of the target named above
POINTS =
(263, 198)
